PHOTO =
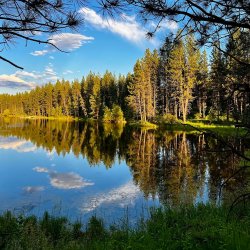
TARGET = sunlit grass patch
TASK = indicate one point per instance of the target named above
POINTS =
(143, 124)
(223, 130)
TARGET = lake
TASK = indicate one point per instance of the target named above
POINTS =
(80, 169)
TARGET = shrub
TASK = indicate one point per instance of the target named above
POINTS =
(197, 116)
(57, 112)
(113, 115)
(6, 112)
(107, 116)
(212, 115)
(117, 114)
(169, 119)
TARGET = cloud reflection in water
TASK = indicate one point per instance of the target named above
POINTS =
(68, 181)
(21, 146)
(33, 189)
(64, 180)
(41, 170)
(123, 196)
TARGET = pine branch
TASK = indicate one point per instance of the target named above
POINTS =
(10, 62)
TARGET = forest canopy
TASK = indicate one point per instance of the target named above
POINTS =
(178, 80)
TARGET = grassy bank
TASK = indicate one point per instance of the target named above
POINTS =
(143, 124)
(61, 118)
(223, 129)
(192, 126)
(202, 227)
(196, 127)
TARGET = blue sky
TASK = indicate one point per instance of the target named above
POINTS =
(98, 45)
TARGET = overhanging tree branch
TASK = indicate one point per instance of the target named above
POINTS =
(10, 62)
(31, 16)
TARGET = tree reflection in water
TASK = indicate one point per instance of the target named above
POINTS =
(178, 167)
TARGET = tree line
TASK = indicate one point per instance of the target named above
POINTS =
(88, 98)
(178, 81)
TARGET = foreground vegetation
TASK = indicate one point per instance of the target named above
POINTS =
(201, 227)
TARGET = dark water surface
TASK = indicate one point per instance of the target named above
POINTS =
(80, 169)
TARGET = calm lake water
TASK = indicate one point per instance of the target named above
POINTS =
(81, 169)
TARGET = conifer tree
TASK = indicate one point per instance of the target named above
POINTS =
(155, 60)
(217, 76)
(202, 85)
(238, 74)
(165, 100)
(177, 67)
(77, 100)
(136, 98)
(191, 70)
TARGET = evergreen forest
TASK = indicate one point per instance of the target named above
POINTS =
(179, 81)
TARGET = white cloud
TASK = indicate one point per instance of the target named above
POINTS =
(11, 78)
(39, 52)
(51, 57)
(14, 82)
(31, 33)
(165, 24)
(64, 41)
(49, 71)
(127, 27)
(69, 41)
(24, 73)
(48, 75)
(68, 181)
(66, 72)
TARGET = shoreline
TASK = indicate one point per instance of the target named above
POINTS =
(222, 128)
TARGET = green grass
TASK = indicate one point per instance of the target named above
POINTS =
(143, 124)
(194, 127)
(221, 129)
(64, 118)
(201, 227)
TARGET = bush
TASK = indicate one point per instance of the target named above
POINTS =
(57, 112)
(168, 119)
(117, 114)
(246, 116)
(212, 115)
(113, 115)
(197, 116)
(107, 116)
(6, 112)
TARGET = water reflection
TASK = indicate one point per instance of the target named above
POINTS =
(64, 180)
(174, 167)
(31, 190)
(16, 144)
(41, 170)
(123, 196)
(68, 181)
